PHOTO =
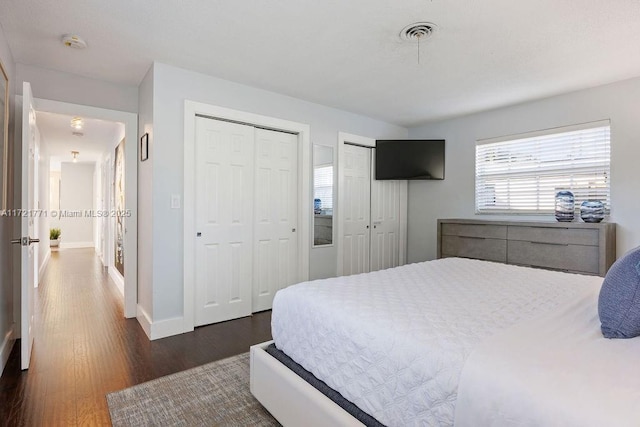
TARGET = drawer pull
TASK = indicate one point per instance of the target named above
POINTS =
(473, 237)
(548, 243)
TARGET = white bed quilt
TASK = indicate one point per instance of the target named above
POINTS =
(553, 370)
(394, 342)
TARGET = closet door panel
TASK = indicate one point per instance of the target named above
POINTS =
(224, 219)
(276, 215)
(357, 209)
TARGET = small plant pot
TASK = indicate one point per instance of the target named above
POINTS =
(54, 243)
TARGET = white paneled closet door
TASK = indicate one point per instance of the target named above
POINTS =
(276, 215)
(224, 220)
(357, 209)
(385, 224)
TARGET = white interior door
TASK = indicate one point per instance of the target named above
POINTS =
(28, 249)
(276, 215)
(385, 224)
(224, 220)
(357, 209)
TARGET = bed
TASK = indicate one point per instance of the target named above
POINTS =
(448, 342)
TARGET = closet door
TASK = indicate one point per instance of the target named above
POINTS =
(224, 220)
(276, 215)
(385, 224)
(357, 209)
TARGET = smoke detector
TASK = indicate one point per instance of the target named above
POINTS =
(74, 41)
(418, 32)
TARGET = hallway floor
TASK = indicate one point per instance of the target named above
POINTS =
(84, 348)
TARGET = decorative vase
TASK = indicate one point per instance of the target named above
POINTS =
(592, 211)
(317, 206)
(565, 206)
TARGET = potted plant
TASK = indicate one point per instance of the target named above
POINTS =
(54, 236)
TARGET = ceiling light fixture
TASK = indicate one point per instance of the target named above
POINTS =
(75, 156)
(77, 123)
(74, 41)
(418, 32)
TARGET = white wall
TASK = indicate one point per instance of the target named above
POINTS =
(454, 197)
(65, 87)
(76, 195)
(97, 205)
(171, 86)
(145, 198)
(42, 222)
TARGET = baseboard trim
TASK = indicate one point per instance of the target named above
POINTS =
(44, 263)
(5, 349)
(144, 320)
(117, 279)
(160, 329)
(76, 245)
(166, 328)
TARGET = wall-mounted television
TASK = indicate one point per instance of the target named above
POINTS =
(410, 159)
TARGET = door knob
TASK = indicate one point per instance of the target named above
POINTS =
(25, 241)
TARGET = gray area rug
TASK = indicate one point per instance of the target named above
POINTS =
(215, 394)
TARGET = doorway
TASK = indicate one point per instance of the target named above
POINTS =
(128, 124)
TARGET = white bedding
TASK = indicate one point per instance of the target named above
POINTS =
(394, 342)
(554, 370)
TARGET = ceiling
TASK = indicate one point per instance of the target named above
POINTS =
(345, 54)
(58, 140)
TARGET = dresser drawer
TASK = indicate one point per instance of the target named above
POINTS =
(475, 247)
(475, 230)
(577, 258)
(571, 236)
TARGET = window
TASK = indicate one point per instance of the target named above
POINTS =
(522, 174)
(323, 187)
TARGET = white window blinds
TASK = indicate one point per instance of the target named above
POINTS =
(523, 174)
(323, 186)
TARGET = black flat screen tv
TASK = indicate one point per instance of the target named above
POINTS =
(410, 159)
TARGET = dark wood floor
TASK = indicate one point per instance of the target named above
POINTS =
(84, 348)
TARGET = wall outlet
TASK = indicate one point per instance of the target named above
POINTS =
(175, 201)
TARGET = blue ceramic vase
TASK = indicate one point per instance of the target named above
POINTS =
(592, 211)
(565, 206)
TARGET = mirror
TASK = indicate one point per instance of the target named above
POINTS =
(322, 195)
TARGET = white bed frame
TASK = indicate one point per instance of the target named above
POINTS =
(289, 398)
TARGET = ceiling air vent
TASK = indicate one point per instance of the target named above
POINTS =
(73, 41)
(418, 32)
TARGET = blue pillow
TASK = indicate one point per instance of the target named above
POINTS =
(619, 301)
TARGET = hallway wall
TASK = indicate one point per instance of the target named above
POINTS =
(76, 197)
(42, 222)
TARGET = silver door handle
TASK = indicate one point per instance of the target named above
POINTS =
(25, 241)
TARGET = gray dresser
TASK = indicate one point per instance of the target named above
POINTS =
(569, 246)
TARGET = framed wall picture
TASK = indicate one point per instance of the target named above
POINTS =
(4, 142)
(144, 147)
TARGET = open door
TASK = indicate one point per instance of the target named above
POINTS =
(27, 255)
